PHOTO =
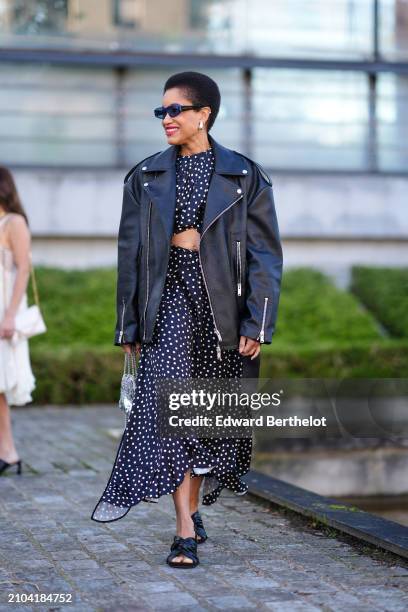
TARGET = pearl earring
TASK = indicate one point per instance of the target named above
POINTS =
(200, 125)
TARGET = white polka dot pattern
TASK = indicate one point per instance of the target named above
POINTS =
(193, 174)
(183, 345)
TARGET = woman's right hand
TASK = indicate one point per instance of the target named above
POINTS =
(127, 348)
(7, 327)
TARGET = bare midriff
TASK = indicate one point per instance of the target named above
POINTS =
(188, 239)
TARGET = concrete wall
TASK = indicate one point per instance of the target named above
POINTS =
(330, 222)
(338, 473)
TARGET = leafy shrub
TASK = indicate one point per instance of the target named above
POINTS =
(313, 310)
(384, 291)
(321, 331)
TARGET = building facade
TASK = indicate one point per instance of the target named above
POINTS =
(315, 92)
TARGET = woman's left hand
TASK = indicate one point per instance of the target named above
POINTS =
(248, 346)
(7, 326)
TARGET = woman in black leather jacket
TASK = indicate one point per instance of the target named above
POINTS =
(199, 273)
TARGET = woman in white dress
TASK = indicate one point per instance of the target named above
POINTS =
(16, 378)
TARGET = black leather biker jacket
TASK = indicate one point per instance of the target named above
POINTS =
(240, 251)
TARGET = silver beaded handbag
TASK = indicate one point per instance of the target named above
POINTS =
(128, 383)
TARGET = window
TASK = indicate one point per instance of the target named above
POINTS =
(125, 13)
(39, 16)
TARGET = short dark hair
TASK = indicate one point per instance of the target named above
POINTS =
(200, 89)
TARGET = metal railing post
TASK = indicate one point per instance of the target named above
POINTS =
(247, 133)
(120, 112)
(372, 141)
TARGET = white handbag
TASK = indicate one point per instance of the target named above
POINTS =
(28, 322)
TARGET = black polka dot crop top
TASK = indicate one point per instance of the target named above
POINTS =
(193, 174)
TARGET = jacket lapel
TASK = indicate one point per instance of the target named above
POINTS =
(162, 191)
(222, 192)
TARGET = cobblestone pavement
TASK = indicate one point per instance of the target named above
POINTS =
(256, 557)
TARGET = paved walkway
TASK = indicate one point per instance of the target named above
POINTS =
(256, 558)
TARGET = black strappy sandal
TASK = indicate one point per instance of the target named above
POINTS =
(186, 547)
(199, 527)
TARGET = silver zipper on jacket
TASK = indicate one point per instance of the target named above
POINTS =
(261, 336)
(239, 267)
(147, 271)
(123, 317)
(217, 331)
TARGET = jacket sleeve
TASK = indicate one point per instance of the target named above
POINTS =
(264, 268)
(127, 324)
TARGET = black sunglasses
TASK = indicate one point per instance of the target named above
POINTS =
(173, 110)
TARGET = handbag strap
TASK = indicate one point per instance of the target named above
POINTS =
(32, 274)
(130, 363)
(34, 283)
(4, 282)
(2, 220)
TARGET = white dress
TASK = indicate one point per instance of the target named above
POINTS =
(16, 377)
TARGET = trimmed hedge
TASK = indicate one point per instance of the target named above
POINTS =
(384, 291)
(379, 359)
(313, 310)
(321, 331)
(77, 375)
(79, 309)
(80, 375)
(79, 306)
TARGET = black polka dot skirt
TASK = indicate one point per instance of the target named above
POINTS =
(184, 345)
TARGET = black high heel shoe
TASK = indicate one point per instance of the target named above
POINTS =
(199, 527)
(186, 547)
(4, 466)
